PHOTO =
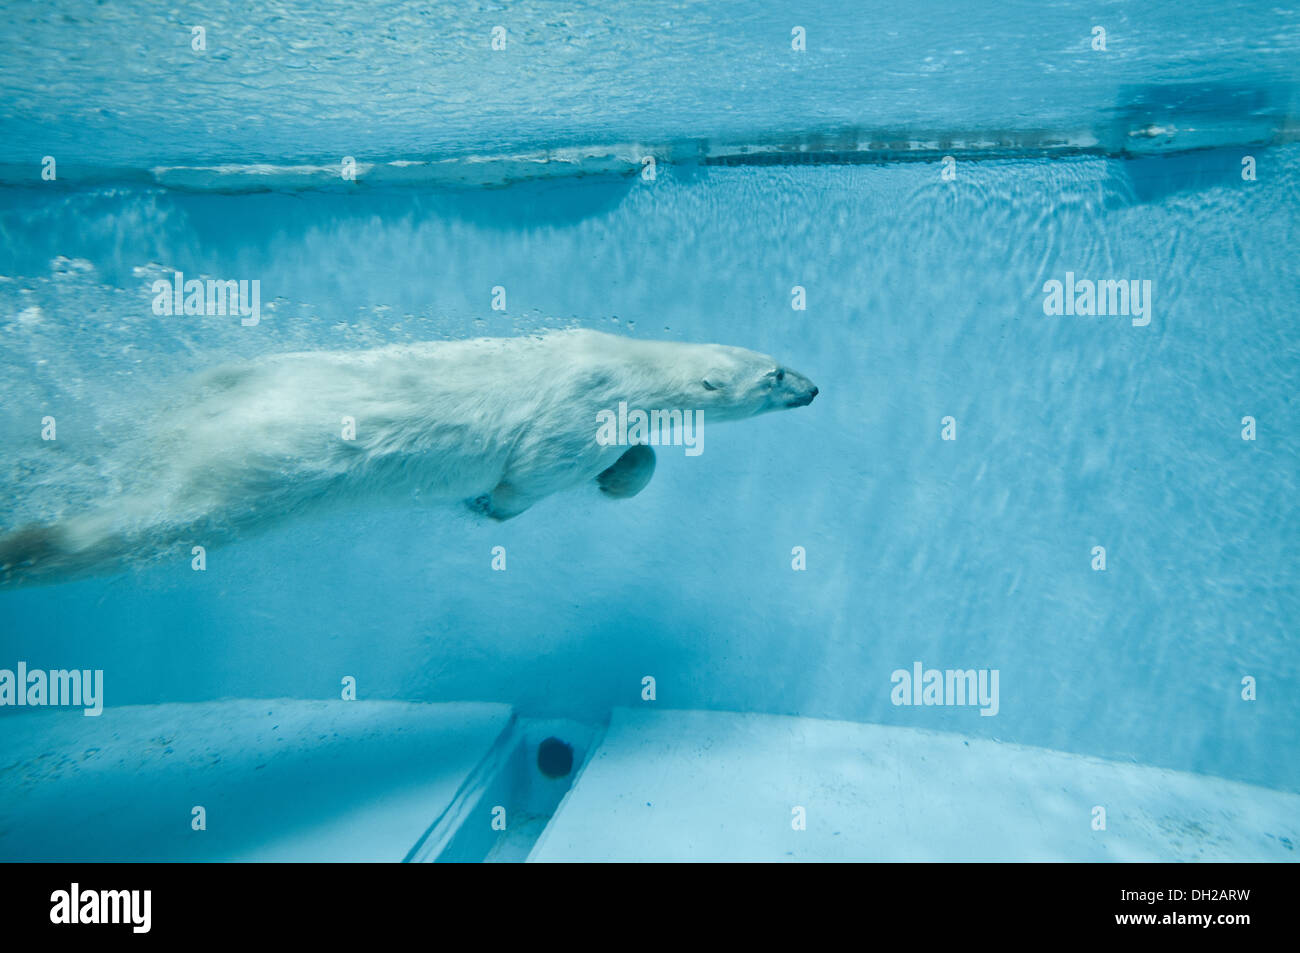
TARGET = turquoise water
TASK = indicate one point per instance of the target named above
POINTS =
(296, 80)
(924, 300)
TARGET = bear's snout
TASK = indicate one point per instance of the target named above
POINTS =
(798, 390)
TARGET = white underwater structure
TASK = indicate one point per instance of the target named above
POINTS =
(290, 780)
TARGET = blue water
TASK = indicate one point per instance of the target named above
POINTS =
(119, 85)
(924, 300)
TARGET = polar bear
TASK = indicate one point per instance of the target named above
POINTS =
(497, 423)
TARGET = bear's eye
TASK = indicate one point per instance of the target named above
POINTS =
(707, 385)
(780, 374)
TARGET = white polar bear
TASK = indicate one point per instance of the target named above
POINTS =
(498, 423)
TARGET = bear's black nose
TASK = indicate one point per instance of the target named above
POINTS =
(815, 391)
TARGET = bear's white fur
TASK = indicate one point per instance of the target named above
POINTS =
(504, 422)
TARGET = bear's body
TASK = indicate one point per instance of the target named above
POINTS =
(498, 423)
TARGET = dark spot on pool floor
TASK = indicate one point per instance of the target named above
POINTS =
(555, 758)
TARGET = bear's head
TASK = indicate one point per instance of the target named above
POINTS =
(727, 383)
(737, 383)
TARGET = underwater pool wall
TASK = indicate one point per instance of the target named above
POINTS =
(924, 301)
